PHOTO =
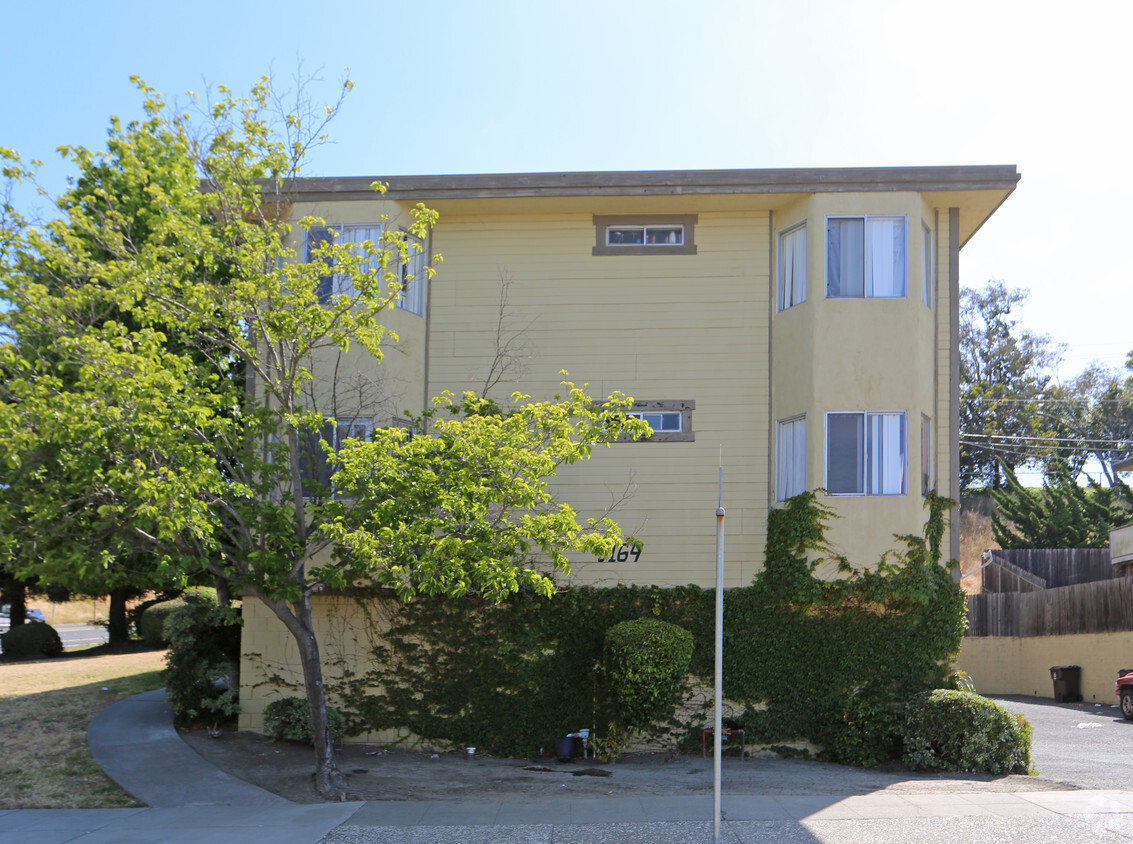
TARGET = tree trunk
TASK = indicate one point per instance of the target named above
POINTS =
(329, 780)
(118, 627)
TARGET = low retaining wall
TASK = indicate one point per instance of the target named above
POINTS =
(1011, 665)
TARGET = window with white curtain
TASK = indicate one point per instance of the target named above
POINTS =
(928, 476)
(412, 277)
(865, 257)
(866, 453)
(927, 266)
(792, 267)
(790, 458)
(336, 283)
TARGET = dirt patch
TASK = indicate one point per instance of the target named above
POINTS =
(375, 773)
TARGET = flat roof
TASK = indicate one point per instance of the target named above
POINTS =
(663, 182)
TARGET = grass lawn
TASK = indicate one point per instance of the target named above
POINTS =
(45, 707)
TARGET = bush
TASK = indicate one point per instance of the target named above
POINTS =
(866, 732)
(31, 640)
(151, 624)
(646, 663)
(202, 666)
(289, 719)
(949, 730)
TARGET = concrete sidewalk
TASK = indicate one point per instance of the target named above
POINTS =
(136, 744)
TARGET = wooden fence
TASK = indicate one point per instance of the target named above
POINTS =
(1057, 567)
(1104, 606)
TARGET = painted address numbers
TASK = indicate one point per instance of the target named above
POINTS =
(622, 553)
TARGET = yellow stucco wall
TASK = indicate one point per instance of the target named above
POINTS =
(864, 354)
(1021, 665)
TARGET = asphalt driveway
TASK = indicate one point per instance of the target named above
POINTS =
(1088, 745)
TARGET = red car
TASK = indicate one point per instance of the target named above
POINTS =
(1125, 692)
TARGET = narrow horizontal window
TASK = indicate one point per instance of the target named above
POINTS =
(644, 234)
(650, 235)
(670, 419)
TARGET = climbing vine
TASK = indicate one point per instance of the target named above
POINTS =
(830, 662)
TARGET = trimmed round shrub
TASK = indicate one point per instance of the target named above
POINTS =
(151, 625)
(646, 662)
(948, 730)
(31, 640)
(289, 719)
(202, 665)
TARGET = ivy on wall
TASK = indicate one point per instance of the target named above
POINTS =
(831, 662)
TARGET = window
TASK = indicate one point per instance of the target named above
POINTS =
(644, 234)
(315, 469)
(790, 458)
(792, 267)
(671, 420)
(412, 277)
(928, 476)
(333, 283)
(865, 453)
(927, 266)
(865, 257)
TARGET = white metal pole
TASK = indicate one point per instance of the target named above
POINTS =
(717, 733)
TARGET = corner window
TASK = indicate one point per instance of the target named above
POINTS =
(865, 453)
(671, 420)
(928, 476)
(865, 257)
(790, 458)
(927, 266)
(792, 267)
(333, 283)
(645, 234)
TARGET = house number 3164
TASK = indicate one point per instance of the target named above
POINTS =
(622, 553)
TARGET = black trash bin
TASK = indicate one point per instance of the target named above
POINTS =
(1067, 683)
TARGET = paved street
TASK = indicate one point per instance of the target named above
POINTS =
(1088, 745)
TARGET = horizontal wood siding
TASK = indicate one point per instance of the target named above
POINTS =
(1100, 607)
(655, 327)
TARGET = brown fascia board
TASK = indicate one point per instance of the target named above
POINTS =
(1123, 465)
(662, 183)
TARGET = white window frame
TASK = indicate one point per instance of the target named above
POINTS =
(412, 277)
(671, 228)
(928, 456)
(870, 264)
(337, 284)
(678, 410)
(335, 434)
(790, 457)
(882, 467)
(928, 265)
(792, 266)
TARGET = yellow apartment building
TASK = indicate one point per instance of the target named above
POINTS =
(799, 325)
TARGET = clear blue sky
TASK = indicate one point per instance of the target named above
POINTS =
(466, 87)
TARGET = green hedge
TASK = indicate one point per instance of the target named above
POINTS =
(948, 730)
(31, 640)
(646, 661)
(833, 662)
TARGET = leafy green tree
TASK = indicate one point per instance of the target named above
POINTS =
(1063, 514)
(1092, 416)
(122, 425)
(1003, 378)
